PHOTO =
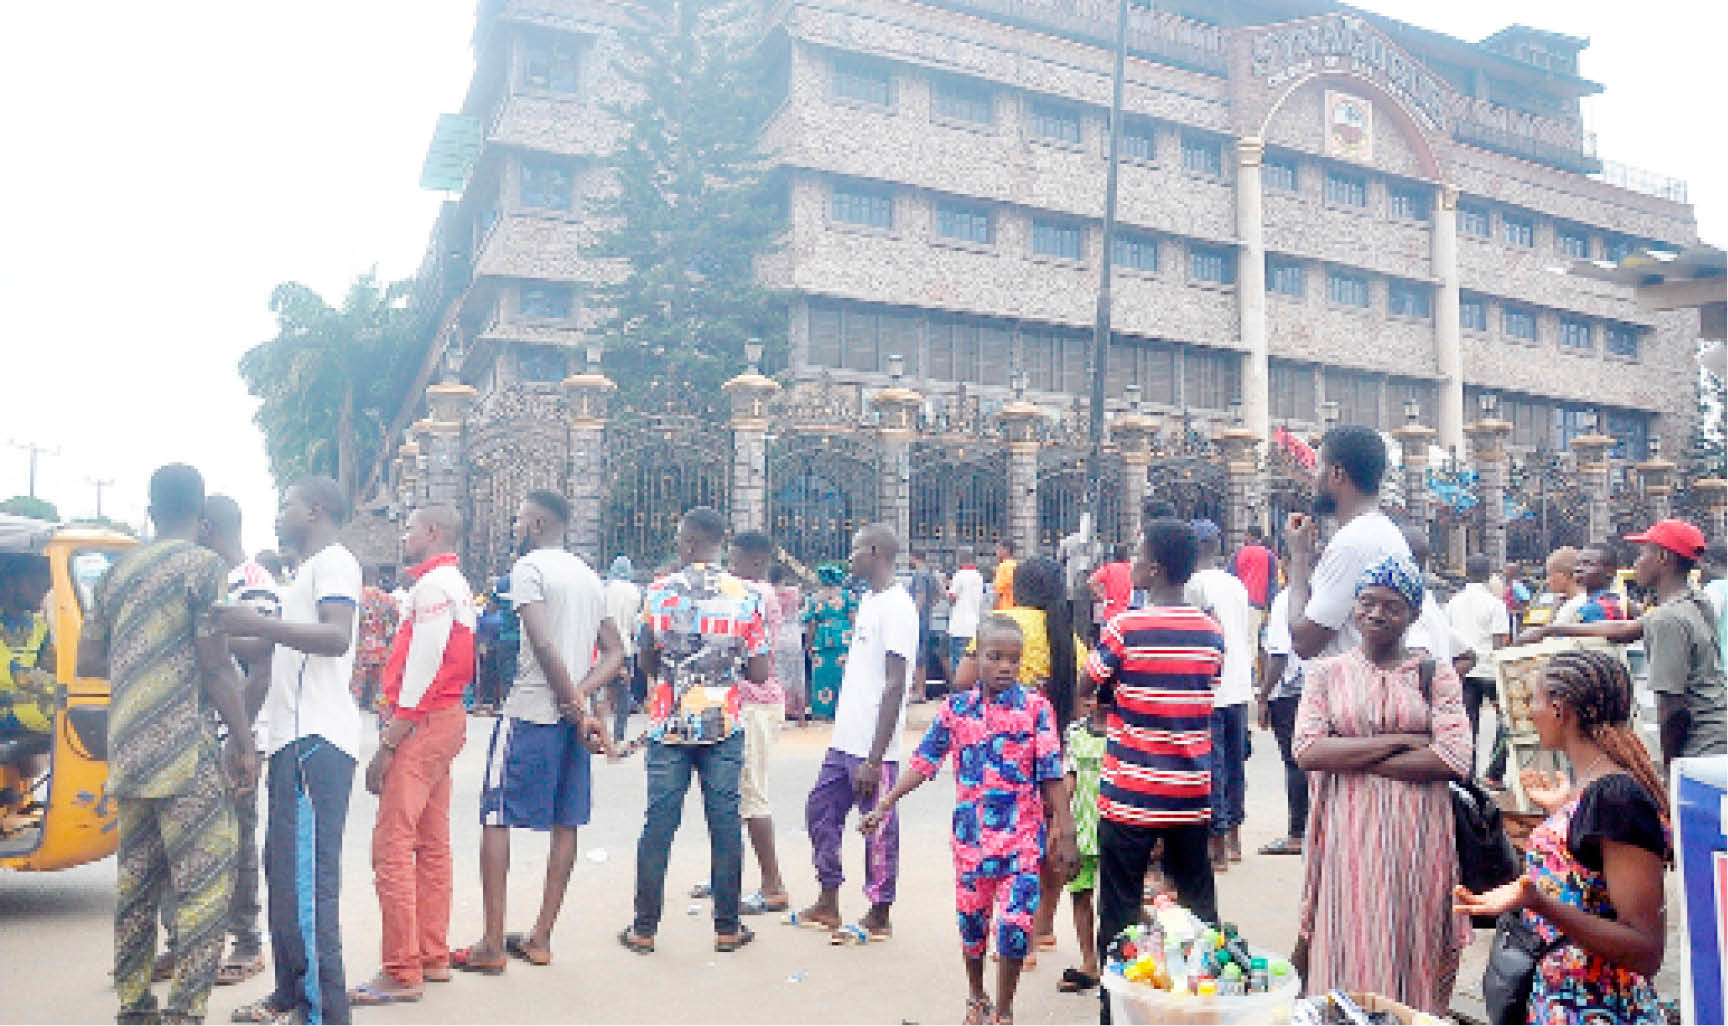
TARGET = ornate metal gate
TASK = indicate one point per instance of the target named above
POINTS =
(1062, 496)
(959, 497)
(822, 487)
(1193, 486)
(520, 445)
(657, 467)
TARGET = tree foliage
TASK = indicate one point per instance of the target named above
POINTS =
(691, 207)
(30, 506)
(330, 379)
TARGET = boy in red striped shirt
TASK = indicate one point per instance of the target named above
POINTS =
(1156, 668)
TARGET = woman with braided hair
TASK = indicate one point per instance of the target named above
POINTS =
(1592, 884)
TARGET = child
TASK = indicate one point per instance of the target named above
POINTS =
(1084, 744)
(1007, 768)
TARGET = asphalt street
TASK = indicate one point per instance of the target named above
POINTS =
(56, 929)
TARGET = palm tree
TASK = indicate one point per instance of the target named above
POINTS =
(329, 378)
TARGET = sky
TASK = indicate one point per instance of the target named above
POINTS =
(167, 164)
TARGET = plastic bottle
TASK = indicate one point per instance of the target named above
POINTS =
(1196, 963)
(1238, 950)
(1175, 964)
(1207, 988)
(1259, 977)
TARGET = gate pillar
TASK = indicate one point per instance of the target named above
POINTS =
(1488, 452)
(1021, 421)
(586, 397)
(750, 393)
(1656, 479)
(1592, 450)
(445, 471)
(1132, 432)
(1714, 491)
(1414, 440)
(1241, 466)
(408, 476)
(899, 425)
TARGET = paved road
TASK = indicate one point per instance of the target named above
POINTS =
(56, 937)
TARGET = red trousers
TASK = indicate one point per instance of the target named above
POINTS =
(411, 847)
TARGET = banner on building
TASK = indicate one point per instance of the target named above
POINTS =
(1349, 127)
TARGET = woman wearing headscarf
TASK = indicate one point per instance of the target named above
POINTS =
(829, 615)
(1380, 731)
(1592, 883)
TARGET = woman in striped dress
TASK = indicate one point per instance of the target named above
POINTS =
(1380, 861)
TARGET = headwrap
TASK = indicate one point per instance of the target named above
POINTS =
(621, 569)
(1399, 574)
(1204, 530)
(832, 574)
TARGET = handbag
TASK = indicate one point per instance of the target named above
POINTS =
(1511, 970)
(1486, 858)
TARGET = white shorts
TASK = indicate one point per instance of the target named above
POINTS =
(762, 722)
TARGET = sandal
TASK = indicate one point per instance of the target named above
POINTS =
(162, 970)
(464, 960)
(1074, 981)
(809, 922)
(1282, 846)
(261, 1011)
(517, 944)
(239, 968)
(702, 890)
(979, 1011)
(635, 942)
(1046, 942)
(381, 990)
(756, 904)
(735, 941)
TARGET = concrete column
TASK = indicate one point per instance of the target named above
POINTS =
(1448, 337)
(1714, 491)
(1242, 469)
(750, 394)
(1488, 453)
(1021, 422)
(586, 396)
(1251, 289)
(1132, 433)
(447, 477)
(408, 476)
(1413, 441)
(1656, 480)
(1592, 453)
(898, 427)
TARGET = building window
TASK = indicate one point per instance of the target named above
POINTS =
(1619, 247)
(967, 222)
(1520, 322)
(1210, 377)
(1473, 313)
(541, 363)
(1278, 171)
(1575, 333)
(1292, 391)
(1631, 434)
(1357, 396)
(1139, 140)
(1136, 250)
(1145, 362)
(1210, 263)
(1054, 360)
(1409, 204)
(547, 183)
(1346, 189)
(1474, 220)
(862, 205)
(1575, 243)
(1284, 277)
(550, 62)
(1518, 229)
(1058, 239)
(962, 99)
(1422, 393)
(861, 337)
(1202, 154)
(864, 82)
(1622, 341)
(546, 301)
(1053, 121)
(1409, 299)
(1347, 289)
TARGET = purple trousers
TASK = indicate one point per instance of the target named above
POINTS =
(825, 811)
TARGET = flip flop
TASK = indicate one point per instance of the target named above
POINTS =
(798, 919)
(1046, 942)
(517, 944)
(370, 993)
(463, 959)
(1281, 846)
(701, 890)
(1074, 981)
(744, 936)
(640, 945)
(877, 933)
(261, 1011)
(756, 905)
(979, 1011)
(239, 968)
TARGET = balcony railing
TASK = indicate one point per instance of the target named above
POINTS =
(1163, 38)
(1525, 147)
(1637, 179)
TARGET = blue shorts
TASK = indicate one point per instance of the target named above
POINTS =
(536, 776)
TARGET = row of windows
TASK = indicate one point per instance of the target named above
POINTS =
(1403, 298)
(1576, 333)
(1518, 228)
(1374, 400)
(985, 351)
(1548, 424)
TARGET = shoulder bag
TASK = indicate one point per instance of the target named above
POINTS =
(1511, 971)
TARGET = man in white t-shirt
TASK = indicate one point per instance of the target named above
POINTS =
(1352, 463)
(1481, 619)
(537, 772)
(313, 739)
(864, 754)
(1222, 595)
(966, 605)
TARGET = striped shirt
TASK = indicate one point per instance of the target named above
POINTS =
(1156, 668)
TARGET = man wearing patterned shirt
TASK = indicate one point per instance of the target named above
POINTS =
(702, 632)
(1156, 668)
(152, 633)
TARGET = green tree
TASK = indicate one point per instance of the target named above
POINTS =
(691, 209)
(330, 379)
(30, 506)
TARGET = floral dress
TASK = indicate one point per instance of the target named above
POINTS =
(829, 613)
(1564, 857)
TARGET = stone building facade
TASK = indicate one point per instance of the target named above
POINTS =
(1321, 209)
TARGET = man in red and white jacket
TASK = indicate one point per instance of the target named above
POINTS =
(423, 728)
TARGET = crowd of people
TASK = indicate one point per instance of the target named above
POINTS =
(1098, 719)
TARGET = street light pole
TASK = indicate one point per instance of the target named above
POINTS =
(1101, 325)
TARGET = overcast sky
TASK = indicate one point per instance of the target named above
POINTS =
(166, 164)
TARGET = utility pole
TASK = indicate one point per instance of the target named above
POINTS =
(99, 483)
(1101, 326)
(34, 450)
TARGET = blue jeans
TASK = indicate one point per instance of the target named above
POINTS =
(309, 778)
(669, 768)
(1229, 756)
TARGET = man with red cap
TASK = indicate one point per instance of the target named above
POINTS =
(1680, 642)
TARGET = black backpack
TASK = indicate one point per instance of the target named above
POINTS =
(1486, 858)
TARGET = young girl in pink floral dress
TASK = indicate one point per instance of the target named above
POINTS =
(1007, 770)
